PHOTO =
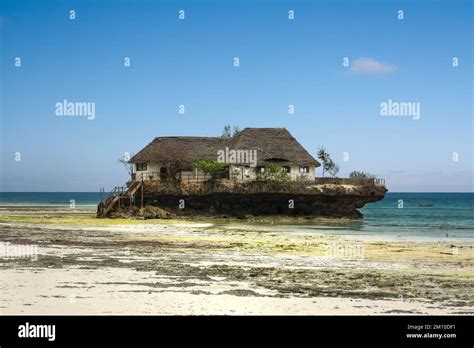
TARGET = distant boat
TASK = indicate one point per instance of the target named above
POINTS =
(426, 204)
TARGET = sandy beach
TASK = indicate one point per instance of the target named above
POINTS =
(57, 261)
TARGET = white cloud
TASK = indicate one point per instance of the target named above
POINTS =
(371, 66)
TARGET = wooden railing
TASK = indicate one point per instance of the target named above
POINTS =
(115, 191)
(300, 176)
(379, 181)
(350, 181)
(149, 176)
(118, 195)
(200, 177)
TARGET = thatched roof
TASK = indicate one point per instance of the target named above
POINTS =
(272, 145)
(186, 149)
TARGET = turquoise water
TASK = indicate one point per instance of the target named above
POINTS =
(451, 214)
(49, 198)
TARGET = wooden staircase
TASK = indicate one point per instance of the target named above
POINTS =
(118, 194)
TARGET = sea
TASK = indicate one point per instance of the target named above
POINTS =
(401, 214)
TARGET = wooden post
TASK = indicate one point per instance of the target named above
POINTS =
(141, 205)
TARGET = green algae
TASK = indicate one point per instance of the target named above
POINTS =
(383, 270)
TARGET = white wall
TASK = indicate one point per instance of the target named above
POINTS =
(242, 172)
(151, 168)
(294, 172)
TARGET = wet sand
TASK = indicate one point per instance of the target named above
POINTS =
(68, 262)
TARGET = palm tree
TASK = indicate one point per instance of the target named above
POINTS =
(328, 164)
(323, 155)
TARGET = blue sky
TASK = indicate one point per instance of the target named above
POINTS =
(190, 62)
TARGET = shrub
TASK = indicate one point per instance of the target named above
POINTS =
(359, 175)
(273, 172)
(215, 169)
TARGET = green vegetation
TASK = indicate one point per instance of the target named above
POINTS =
(229, 132)
(328, 164)
(273, 172)
(217, 170)
(359, 175)
(124, 161)
(66, 220)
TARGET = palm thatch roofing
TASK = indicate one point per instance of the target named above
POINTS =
(272, 145)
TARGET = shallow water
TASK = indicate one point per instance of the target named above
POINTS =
(398, 214)
(451, 214)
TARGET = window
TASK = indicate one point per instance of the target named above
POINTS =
(286, 169)
(304, 169)
(141, 167)
(261, 169)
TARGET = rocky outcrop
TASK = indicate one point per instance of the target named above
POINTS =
(258, 198)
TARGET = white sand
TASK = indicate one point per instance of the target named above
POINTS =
(42, 292)
(169, 254)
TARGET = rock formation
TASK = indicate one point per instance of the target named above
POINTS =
(324, 197)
